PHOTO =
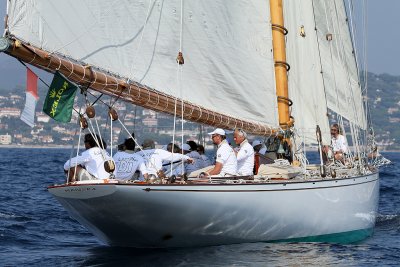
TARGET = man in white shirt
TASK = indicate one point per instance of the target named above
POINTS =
(226, 162)
(244, 153)
(339, 143)
(90, 164)
(127, 162)
(154, 158)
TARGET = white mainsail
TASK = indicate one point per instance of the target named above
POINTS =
(228, 67)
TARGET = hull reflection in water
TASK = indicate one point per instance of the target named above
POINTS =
(341, 210)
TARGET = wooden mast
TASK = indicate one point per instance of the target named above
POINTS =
(281, 66)
(136, 93)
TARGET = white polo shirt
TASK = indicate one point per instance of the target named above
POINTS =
(339, 143)
(226, 156)
(154, 158)
(93, 160)
(245, 159)
(126, 164)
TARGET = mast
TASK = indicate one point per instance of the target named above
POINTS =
(281, 66)
(104, 82)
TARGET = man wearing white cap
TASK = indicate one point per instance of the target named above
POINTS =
(259, 147)
(244, 154)
(225, 163)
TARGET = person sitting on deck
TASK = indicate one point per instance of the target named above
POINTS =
(244, 153)
(261, 155)
(154, 158)
(190, 150)
(90, 164)
(172, 168)
(226, 162)
(259, 147)
(338, 144)
(205, 160)
(127, 163)
(179, 169)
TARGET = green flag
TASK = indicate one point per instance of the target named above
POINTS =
(60, 99)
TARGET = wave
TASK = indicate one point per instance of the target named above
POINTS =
(388, 219)
(7, 216)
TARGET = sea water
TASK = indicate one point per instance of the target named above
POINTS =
(35, 229)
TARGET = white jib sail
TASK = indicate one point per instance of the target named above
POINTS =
(323, 72)
(306, 88)
(343, 92)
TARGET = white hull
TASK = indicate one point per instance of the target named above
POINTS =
(199, 215)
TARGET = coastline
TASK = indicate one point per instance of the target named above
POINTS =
(69, 147)
(36, 146)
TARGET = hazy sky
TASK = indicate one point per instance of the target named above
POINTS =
(383, 38)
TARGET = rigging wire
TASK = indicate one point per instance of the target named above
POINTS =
(356, 116)
(180, 81)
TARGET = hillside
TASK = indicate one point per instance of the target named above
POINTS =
(384, 102)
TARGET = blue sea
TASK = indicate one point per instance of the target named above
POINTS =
(35, 230)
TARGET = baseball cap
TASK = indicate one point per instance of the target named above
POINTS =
(256, 143)
(185, 147)
(217, 131)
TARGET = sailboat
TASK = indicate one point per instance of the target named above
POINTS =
(272, 68)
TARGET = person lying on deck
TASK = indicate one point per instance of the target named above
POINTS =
(90, 164)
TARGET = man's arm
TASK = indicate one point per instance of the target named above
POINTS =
(216, 170)
(79, 160)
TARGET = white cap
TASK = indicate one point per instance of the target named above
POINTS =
(217, 131)
(256, 143)
(185, 147)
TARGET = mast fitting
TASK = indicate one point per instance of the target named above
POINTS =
(302, 31)
(280, 27)
(179, 59)
(282, 63)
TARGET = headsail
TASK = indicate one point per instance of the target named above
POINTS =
(324, 73)
(228, 67)
(339, 67)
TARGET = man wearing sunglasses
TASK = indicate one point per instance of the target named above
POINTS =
(225, 163)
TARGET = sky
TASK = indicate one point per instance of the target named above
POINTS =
(382, 40)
